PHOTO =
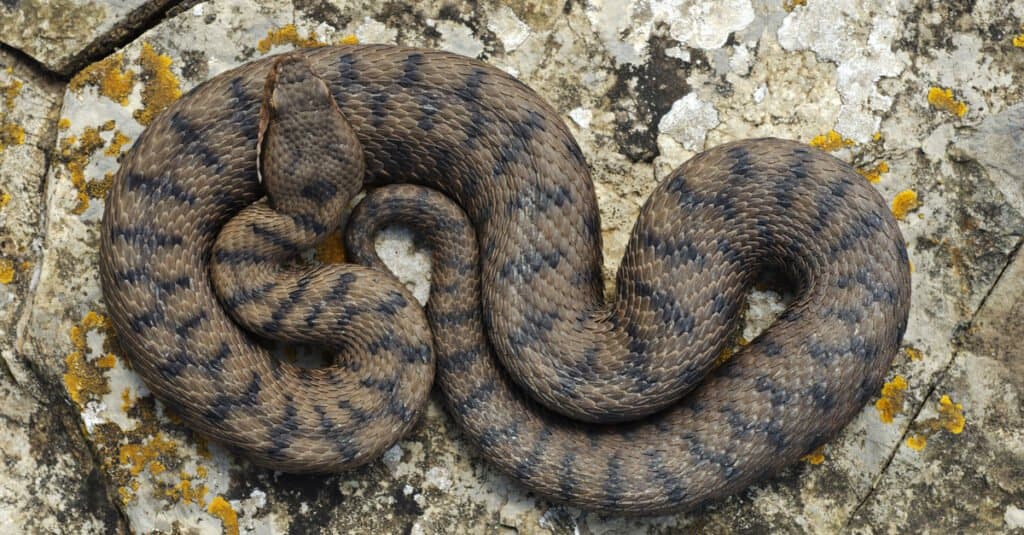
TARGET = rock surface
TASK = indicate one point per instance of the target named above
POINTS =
(926, 100)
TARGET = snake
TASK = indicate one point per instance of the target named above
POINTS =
(609, 400)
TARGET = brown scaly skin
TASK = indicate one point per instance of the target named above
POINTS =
(516, 276)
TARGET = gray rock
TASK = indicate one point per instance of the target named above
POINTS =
(64, 35)
(51, 482)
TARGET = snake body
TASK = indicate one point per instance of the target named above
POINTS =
(613, 406)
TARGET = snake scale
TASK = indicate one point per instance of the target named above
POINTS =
(609, 404)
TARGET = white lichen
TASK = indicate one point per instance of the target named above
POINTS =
(688, 121)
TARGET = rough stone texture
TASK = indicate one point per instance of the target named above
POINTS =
(50, 481)
(62, 34)
(644, 85)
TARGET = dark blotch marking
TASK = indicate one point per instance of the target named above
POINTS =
(184, 330)
(162, 187)
(613, 480)
(411, 74)
(319, 190)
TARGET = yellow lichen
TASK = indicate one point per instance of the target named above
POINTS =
(11, 133)
(126, 495)
(942, 99)
(186, 492)
(950, 418)
(331, 250)
(107, 361)
(830, 141)
(891, 402)
(349, 39)
(913, 354)
(127, 401)
(790, 5)
(815, 457)
(874, 174)
(64, 123)
(220, 508)
(139, 457)
(4, 198)
(75, 153)
(917, 441)
(951, 415)
(288, 35)
(109, 76)
(116, 143)
(1018, 40)
(904, 203)
(84, 378)
(6, 271)
(160, 85)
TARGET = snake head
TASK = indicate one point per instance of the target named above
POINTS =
(291, 89)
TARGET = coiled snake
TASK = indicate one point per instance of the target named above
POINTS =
(611, 406)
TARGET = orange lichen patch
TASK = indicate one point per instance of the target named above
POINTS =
(790, 5)
(109, 77)
(160, 85)
(950, 418)
(815, 457)
(331, 250)
(942, 99)
(83, 378)
(916, 441)
(114, 149)
(874, 174)
(349, 39)
(107, 361)
(951, 415)
(220, 508)
(288, 35)
(139, 457)
(64, 123)
(891, 402)
(1018, 40)
(6, 271)
(913, 354)
(904, 203)
(11, 133)
(127, 401)
(830, 141)
(91, 321)
(185, 491)
(126, 495)
(75, 153)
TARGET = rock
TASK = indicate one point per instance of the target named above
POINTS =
(63, 35)
(50, 482)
